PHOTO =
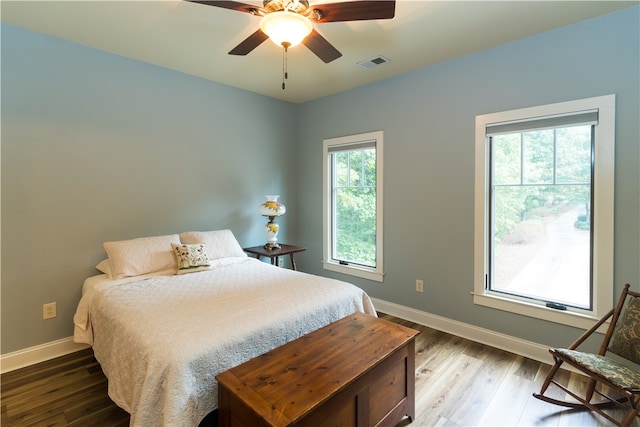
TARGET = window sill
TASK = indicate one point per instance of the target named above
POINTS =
(569, 318)
(354, 271)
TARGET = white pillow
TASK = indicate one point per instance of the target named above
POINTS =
(104, 267)
(141, 256)
(220, 243)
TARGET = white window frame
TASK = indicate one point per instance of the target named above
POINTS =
(603, 212)
(372, 273)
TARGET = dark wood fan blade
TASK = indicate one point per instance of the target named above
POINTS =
(233, 5)
(321, 47)
(250, 43)
(355, 10)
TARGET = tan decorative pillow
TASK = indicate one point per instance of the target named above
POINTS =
(190, 257)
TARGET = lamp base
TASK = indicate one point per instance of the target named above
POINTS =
(271, 246)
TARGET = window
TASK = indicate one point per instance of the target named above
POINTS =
(352, 223)
(544, 210)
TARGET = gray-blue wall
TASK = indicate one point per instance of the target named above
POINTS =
(428, 118)
(97, 147)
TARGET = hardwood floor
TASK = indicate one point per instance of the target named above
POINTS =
(463, 383)
(458, 383)
(68, 391)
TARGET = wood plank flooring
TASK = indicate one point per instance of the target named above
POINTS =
(458, 383)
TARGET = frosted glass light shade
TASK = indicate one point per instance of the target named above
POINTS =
(285, 28)
(272, 207)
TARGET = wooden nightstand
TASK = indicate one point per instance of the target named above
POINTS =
(274, 254)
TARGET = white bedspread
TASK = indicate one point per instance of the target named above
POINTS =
(161, 340)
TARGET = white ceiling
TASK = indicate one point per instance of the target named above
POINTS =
(194, 38)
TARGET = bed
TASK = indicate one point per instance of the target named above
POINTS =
(162, 335)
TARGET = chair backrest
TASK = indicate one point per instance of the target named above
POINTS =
(625, 341)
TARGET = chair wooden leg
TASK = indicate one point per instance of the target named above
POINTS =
(631, 414)
(552, 372)
(590, 390)
(547, 382)
(550, 375)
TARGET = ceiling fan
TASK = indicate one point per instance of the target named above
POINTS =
(299, 14)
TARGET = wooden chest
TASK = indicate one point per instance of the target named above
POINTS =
(357, 371)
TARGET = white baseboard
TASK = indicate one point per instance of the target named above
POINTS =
(484, 336)
(43, 352)
(39, 353)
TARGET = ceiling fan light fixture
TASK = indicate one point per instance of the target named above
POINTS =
(286, 28)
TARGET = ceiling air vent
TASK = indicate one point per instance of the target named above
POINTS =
(374, 62)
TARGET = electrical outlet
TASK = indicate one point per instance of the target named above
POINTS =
(49, 310)
(419, 285)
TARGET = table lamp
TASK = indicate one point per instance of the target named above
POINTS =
(271, 209)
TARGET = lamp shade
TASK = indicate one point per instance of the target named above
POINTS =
(285, 28)
(272, 207)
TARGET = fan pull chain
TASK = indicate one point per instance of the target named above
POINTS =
(285, 65)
